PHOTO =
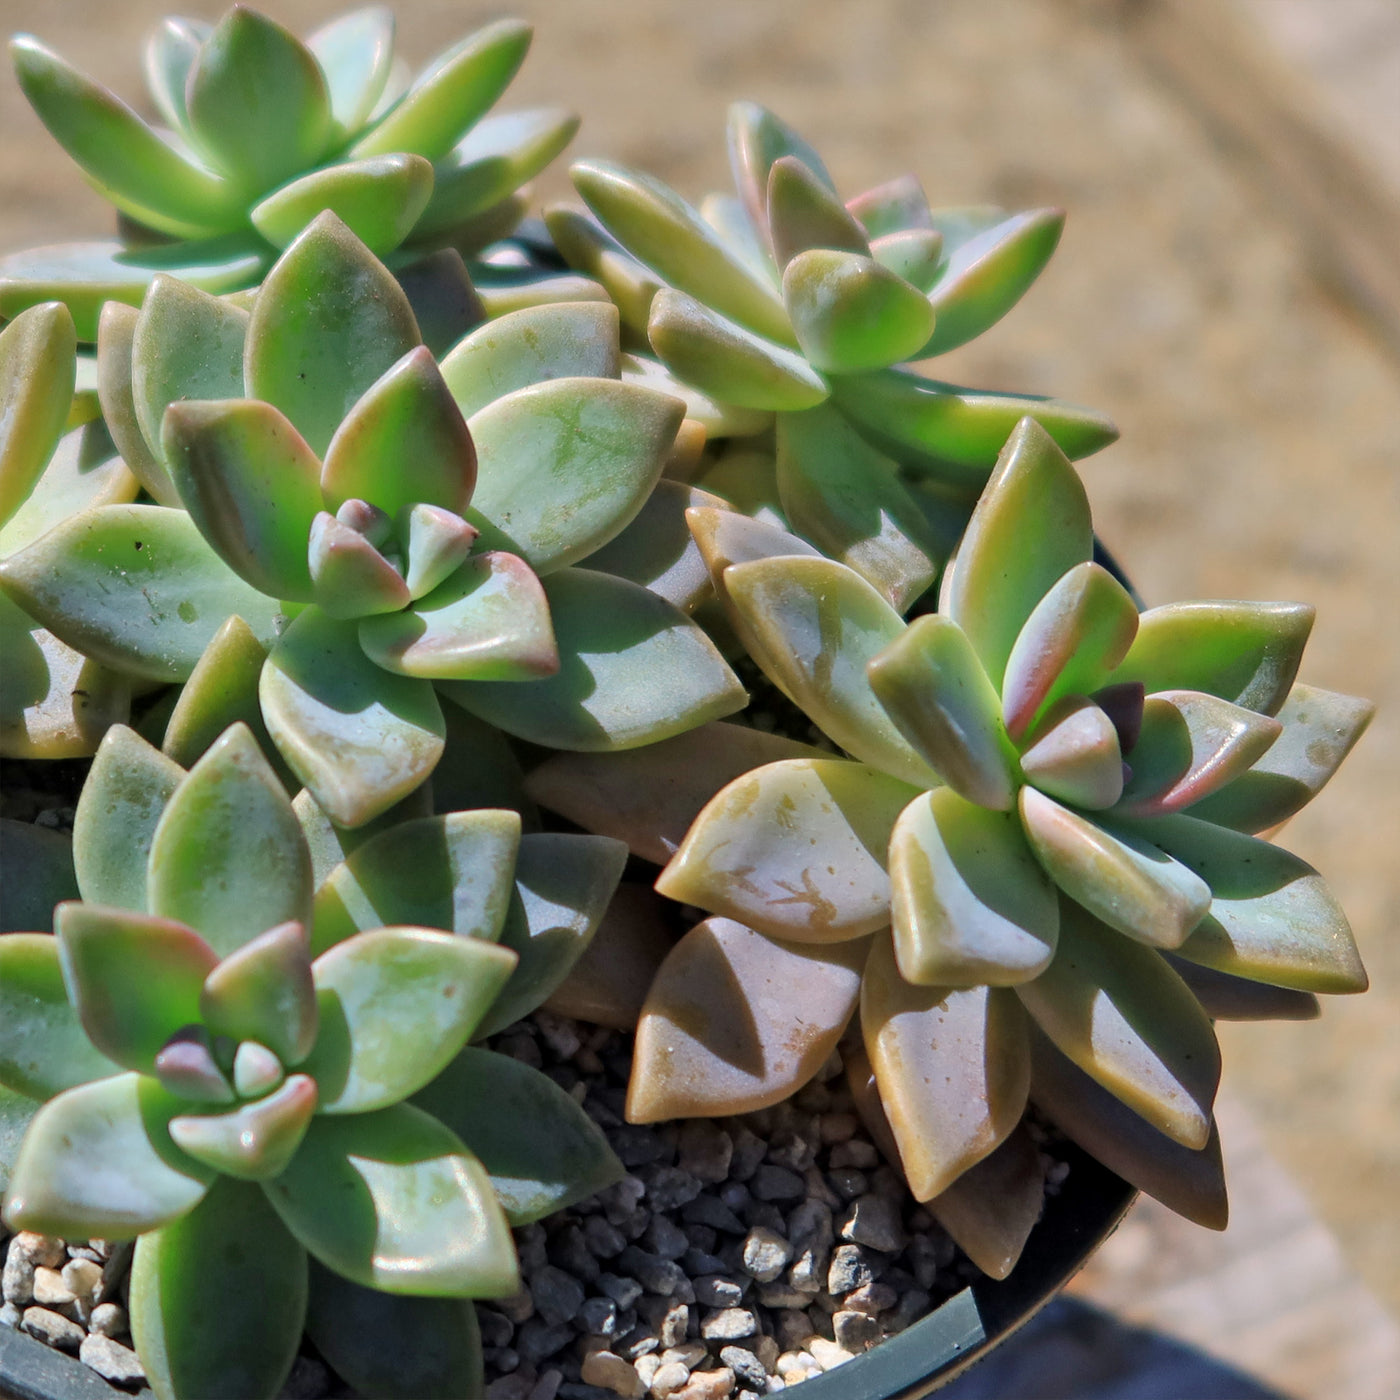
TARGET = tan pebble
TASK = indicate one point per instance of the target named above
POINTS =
(670, 1377)
(108, 1320)
(50, 1291)
(46, 1251)
(707, 1385)
(646, 1367)
(83, 1278)
(828, 1355)
(611, 1372)
(689, 1354)
(795, 1366)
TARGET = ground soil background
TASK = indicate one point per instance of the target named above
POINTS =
(1260, 417)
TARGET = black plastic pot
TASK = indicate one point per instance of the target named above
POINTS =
(1087, 1209)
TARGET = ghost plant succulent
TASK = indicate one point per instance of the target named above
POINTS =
(1038, 856)
(790, 309)
(261, 132)
(382, 525)
(230, 1060)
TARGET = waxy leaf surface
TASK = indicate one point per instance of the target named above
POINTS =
(264, 992)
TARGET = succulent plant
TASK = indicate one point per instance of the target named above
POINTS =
(1040, 849)
(382, 526)
(787, 307)
(261, 133)
(231, 1061)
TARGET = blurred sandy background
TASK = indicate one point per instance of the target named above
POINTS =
(1260, 411)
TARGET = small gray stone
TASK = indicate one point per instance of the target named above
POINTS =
(697, 1263)
(792, 1328)
(766, 1254)
(496, 1330)
(120, 1365)
(706, 1150)
(765, 1214)
(665, 1239)
(854, 1330)
(558, 1296)
(850, 1268)
(538, 1339)
(623, 1291)
(17, 1279)
(772, 1183)
(603, 1238)
(718, 1291)
(622, 1197)
(728, 1325)
(921, 1255)
(10, 1314)
(53, 1329)
(854, 1152)
(518, 1307)
(793, 1150)
(547, 1387)
(656, 1275)
(636, 1144)
(837, 1127)
(781, 1295)
(670, 1187)
(748, 1152)
(873, 1220)
(714, 1212)
(848, 1182)
(638, 1342)
(559, 1033)
(746, 1367)
(568, 1248)
(912, 1305)
(874, 1298)
(599, 1315)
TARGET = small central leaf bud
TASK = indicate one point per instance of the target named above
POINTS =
(256, 1070)
(187, 1067)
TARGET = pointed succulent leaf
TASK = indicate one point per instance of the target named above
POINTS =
(970, 903)
(228, 856)
(852, 314)
(255, 1141)
(1073, 754)
(804, 213)
(258, 1294)
(379, 201)
(563, 466)
(718, 419)
(437, 1354)
(1224, 997)
(1075, 636)
(1188, 1181)
(1124, 880)
(404, 441)
(493, 160)
(38, 356)
(222, 690)
(256, 102)
(657, 226)
(1124, 1017)
(116, 333)
(452, 872)
(1320, 728)
(650, 796)
(329, 321)
(167, 56)
(121, 155)
(98, 1160)
(543, 1155)
(726, 537)
(736, 1021)
(730, 220)
(1272, 919)
(563, 883)
(584, 244)
(43, 1046)
(931, 684)
(263, 992)
(952, 1068)
(839, 491)
(1191, 744)
(256, 1070)
(126, 791)
(727, 362)
(893, 207)
(396, 1005)
(758, 139)
(1030, 527)
(133, 979)
(452, 95)
(986, 275)
(657, 550)
(632, 670)
(1247, 653)
(17, 1112)
(489, 621)
(350, 578)
(357, 736)
(393, 1201)
(36, 873)
(479, 768)
(442, 297)
(330, 844)
(951, 434)
(743, 857)
(355, 51)
(88, 275)
(503, 289)
(133, 586)
(187, 1067)
(435, 542)
(914, 254)
(745, 478)
(568, 340)
(814, 626)
(250, 483)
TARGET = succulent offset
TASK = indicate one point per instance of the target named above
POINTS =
(787, 308)
(381, 525)
(261, 132)
(1039, 849)
(228, 1061)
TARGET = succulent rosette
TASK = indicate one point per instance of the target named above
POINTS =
(1037, 867)
(217, 1058)
(784, 307)
(261, 132)
(387, 530)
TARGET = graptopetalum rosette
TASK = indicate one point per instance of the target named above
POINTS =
(393, 535)
(1036, 874)
(224, 1057)
(260, 132)
(789, 318)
